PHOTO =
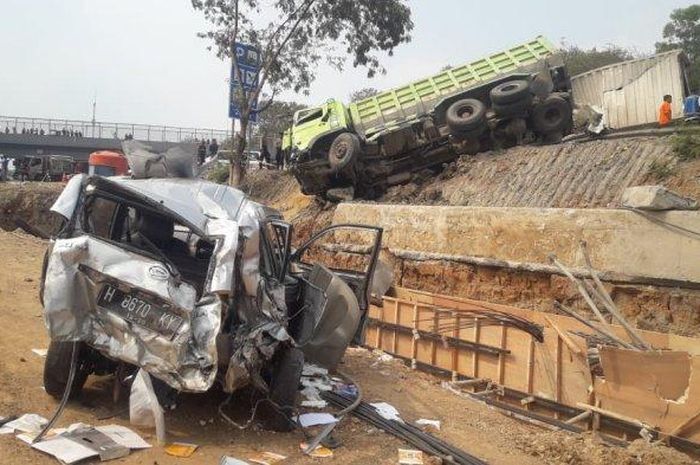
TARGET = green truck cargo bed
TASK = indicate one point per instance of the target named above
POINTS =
(405, 103)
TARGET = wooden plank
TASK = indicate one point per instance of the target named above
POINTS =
(502, 357)
(475, 355)
(414, 341)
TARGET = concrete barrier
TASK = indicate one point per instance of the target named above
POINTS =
(654, 245)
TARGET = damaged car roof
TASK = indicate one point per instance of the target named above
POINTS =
(194, 200)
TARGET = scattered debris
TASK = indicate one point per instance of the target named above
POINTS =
(144, 409)
(180, 449)
(427, 425)
(410, 457)
(28, 423)
(79, 442)
(40, 352)
(387, 411)
(319, 452)
(267, 458)
(231, 461)
(409, 433)
(315, 419)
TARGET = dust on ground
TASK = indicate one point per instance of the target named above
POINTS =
(29, 201)
(475, 428)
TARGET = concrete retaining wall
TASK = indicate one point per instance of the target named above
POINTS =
(619, 241)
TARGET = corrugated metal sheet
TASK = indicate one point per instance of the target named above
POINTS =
(631, 92)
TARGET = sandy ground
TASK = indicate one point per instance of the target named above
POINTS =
(471, 426)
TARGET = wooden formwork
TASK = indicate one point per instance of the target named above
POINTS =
(551, 378)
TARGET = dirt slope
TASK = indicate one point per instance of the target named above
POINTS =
(571, 175)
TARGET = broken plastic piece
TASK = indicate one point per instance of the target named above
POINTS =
(319, 452)
(428, 424)
(180, 449)
(144, 409)
(387, 411)
(27, 423)
(315, 419)
(231, 461)
(267, 458)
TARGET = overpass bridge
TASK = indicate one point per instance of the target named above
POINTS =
(22, 136)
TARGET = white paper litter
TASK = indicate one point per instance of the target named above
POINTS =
(123, 436)
(315, 419)
(69, 451)
(314, 404)
(63, 449)
(231, 461)
(410, 457)
(318, 383)
(27, 423)
(40, 352)
(387, 411)
(313, 370)
(433, 423)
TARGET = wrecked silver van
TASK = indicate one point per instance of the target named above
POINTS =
(194, 283)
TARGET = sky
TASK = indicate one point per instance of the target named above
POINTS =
(143, 63)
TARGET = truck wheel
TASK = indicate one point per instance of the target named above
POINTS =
(551, 116)
(344, 150)
(466, 115)
(57, 367)
(286, 373)
(510, 92)
(515, 108)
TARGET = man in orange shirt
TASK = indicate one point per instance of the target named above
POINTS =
(665, 112)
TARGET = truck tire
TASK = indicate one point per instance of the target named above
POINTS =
(516, 108)
(344, 151)
(286, 374)
(57, 367)
(510, 92)
(551, 116)
(466, 115)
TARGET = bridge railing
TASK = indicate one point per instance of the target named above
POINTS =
(104, 130)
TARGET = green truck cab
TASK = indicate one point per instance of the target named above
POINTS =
(512, 97)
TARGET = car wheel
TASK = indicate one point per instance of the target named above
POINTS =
(516, 108)
(286, 373)
(344, 151)
(466, 115)
(551, 116)
(57, 368)
(510, 92)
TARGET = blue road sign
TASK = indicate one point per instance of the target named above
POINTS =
(248, 60)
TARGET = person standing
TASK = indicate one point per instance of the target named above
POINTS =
(213, 148)
(665, 111)
(265, 155)
(4, 164)
(202, 151)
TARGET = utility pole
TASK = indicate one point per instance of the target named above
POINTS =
(94, 107)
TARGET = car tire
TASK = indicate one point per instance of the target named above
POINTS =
(57, 367)
(466, 115)
(344, 151)
(286, 374)
(551, 116)
(510, 92)
(516, 108)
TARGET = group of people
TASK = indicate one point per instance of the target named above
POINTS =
(41, 132)
(266, 158)
(207, 148)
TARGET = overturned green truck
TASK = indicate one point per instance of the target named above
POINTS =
(518, 96)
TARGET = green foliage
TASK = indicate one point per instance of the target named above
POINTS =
(277, 117)
(686, 146)
(219, 173)
(683, 31)
(660, 169)
(578, 60)
(362, 94)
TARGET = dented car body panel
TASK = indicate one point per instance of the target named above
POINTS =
(168, 275)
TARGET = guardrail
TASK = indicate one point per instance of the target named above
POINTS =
(103, 130)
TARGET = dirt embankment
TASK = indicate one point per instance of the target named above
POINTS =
(572, 175)
(29, 202)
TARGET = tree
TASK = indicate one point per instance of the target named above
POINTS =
(363, 93)
(293, 37)
(578, 60)
(683, 31)
(276, 118)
